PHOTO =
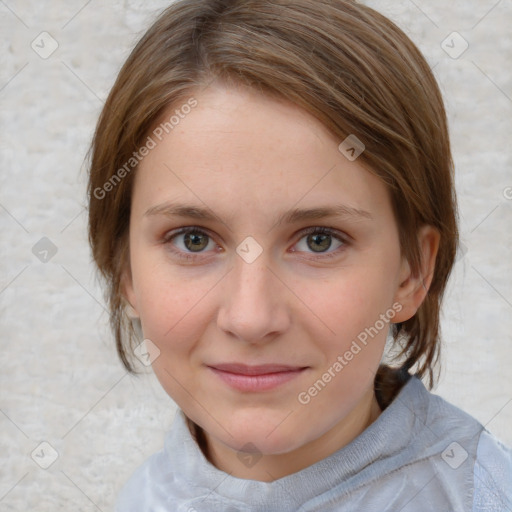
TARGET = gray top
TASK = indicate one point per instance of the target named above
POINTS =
(421, 454)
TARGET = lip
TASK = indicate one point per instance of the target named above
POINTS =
(255, 378)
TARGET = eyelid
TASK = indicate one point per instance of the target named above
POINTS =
(342, 237)
(335, 233)
(169, 236)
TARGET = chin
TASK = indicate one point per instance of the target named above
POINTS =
(259, 431)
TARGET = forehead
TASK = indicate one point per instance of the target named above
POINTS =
(240, 151)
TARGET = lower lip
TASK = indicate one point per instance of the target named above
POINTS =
(256, 383)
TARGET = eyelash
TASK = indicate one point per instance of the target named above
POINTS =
(187, 256)
(321, 230)
(318, 230)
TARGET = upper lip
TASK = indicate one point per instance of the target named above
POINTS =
(261, 369)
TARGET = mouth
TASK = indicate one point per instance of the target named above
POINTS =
(258, 378)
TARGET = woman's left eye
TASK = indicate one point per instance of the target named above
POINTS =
(319, 241)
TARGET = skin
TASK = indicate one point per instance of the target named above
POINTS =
(249, 159)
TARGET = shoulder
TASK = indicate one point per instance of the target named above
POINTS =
(491, 461)
(437, 418)
(163, 479)
(144, 490)
(471, 465)
(492, 475)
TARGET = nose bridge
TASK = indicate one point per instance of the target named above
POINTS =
(253, 307)
(252, 281)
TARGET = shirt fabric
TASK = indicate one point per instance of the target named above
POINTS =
(421, 454)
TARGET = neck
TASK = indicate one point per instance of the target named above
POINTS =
(274, 466)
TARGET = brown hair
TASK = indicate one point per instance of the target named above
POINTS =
(344, 63)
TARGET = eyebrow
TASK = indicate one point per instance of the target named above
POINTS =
(344, 211)
(290, 217)
(181, 210)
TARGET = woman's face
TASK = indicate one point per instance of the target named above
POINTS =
(265, 266)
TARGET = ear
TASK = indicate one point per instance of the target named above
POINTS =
(413, 289)
(128, 292)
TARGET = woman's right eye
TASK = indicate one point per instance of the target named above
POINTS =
(191, 240)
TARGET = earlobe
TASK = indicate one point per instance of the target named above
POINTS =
(128, 294)
(413, 289)
(130, 311)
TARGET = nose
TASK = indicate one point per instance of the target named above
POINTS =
(254, 306)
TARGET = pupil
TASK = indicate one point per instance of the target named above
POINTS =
(195, 242)
(319, 242)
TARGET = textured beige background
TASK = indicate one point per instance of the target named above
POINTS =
(60, 380)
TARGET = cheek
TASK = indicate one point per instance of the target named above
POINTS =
(174, 316)
(346, 304)
(172, 313)
(351, 306)
(169, 298)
